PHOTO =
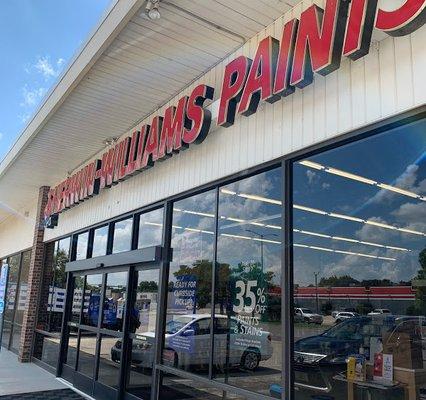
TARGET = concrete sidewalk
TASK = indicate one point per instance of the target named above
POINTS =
(16, 377)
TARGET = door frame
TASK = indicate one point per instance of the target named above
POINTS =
(130, 261)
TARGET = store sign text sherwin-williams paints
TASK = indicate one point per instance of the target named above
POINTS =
(314, 43)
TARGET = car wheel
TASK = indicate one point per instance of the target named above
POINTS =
(250, 360)
(307, 320)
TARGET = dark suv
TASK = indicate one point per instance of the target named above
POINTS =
(318, 359)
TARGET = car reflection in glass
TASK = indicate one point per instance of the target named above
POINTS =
(188, 343)
(318, 359)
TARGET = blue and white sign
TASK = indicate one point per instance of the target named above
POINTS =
(184, 293)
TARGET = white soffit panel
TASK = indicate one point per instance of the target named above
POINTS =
(134, 66)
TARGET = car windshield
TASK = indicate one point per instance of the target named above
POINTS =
(177, 324)
(384, 311)
(346, 331)
(306, 311)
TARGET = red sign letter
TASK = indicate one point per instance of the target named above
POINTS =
(360, 28)
(131, 162)
(232, 86)
(199, 117)
(319, 41)
(285, 59)
(172, 130)
(151, 145)
(260, 80)
(403, 21)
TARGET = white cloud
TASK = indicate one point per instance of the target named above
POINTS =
(31, 97)
(312, 176)
(372, 233)
(1, 135)
(34, 91)
(407, 181)
(44, 66)
(24, 117)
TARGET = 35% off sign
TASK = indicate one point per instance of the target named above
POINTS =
(246, 300)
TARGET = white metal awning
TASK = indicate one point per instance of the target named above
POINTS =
(129, 67)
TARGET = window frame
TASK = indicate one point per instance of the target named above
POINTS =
(287, 315)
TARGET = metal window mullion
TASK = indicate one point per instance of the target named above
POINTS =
(135, 232)
(213, 285)
(162, 303)
(110, 240)
(90, 240)
(287, 285)
(73, 247)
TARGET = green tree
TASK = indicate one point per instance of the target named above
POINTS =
(60, 276)
(364, 308)
(327, 307)
(148, 287)
(338, 281)
(202, 271)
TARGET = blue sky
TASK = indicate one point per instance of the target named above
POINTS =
(37, 40)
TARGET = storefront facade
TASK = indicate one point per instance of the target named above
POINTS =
(257, 234)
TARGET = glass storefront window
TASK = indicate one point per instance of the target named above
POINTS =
(47, 349)
(86, 353)
(360, 268)
(57, 290)
(248, 344)
(92, 300)
(12, 287)
(71, 354)
(16, 337)
(115, 300)
(100, 239)
(23, 287)
(122, 235)
(142, 333)
(15, 300)
(82, 244)
(151, 228)
(52, 301)
(189, 300)
(109, 369)
(7, 329)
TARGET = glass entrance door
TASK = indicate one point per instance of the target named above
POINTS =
(110, 312)
(141, 334)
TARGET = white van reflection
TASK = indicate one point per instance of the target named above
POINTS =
(188, 343)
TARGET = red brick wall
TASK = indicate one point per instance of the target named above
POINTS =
(35, 279)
